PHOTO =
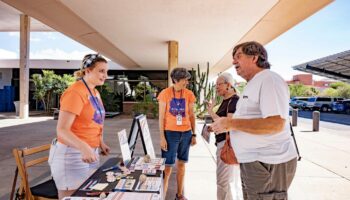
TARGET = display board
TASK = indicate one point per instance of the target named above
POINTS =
(140, 127)
(124, 146)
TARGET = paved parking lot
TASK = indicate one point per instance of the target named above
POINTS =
(327, 117)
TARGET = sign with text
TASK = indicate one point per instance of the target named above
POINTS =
(124, 146)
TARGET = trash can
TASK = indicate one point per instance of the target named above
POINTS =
(16, 107)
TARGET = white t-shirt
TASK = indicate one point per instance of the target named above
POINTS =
(265, 95)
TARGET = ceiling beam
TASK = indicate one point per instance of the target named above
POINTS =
(283, 16)
(62, 19)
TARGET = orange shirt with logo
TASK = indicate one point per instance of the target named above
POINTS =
(167, 96)
(88, 123)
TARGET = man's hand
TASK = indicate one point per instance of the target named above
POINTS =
(222, 124)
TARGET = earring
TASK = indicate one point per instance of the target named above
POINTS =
(227, 89)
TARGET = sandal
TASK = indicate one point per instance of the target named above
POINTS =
(181, 197)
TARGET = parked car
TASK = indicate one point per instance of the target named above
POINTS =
(342, 106)
(323, 104)
(298, 102)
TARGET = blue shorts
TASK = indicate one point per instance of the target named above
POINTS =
(178, 144)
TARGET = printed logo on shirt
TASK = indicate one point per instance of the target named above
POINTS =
(98, 107)
(177, 107)
(245, 97)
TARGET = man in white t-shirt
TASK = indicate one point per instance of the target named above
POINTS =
(260, 133)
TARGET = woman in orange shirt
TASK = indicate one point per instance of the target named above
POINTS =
(177, 126)
(74, 156)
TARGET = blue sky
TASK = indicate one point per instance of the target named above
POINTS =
(326, 32)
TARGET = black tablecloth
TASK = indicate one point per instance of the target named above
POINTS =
(101, 177)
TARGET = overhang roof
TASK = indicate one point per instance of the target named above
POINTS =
(51, 64)
(335, 66)
(10, 20)
(135, 33)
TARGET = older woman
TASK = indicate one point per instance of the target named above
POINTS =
(177, 127)
(74, 156)
(225, 173)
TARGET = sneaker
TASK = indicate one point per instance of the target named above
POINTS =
(181, 197)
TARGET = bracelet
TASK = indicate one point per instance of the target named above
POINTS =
(194, 135)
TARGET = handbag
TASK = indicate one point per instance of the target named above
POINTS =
(227, 154)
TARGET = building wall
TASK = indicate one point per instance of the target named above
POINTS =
(5, 77)
(305, 79)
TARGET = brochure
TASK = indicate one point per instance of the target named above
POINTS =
(206, 133)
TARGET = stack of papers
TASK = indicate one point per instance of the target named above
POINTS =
(155, 163)
(125, 184)
(133, 196)
(152, 184)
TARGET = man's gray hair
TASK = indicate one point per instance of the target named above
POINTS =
(254, 48)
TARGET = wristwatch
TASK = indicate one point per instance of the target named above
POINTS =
(194, 135)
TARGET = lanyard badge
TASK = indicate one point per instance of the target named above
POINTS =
(177, 108)
(179, 119)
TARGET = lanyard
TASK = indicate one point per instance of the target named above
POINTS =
(93, 98)
(177, 102)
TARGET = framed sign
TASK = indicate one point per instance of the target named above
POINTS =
(146, 137)
(140, 127)
(124, 146)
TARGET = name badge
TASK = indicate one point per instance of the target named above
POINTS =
(178, 120)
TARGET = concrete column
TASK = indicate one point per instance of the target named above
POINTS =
(173, 49)
(24, 66)
(294, 117)
(316, 121)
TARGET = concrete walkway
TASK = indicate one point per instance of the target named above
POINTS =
(322, 174)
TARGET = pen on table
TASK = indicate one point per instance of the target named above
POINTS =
(111, 168)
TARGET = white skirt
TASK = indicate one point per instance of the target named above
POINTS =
(67, 168)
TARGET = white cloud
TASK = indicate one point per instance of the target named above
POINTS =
(14, 34)
(58, 54)
(5, 54)
(50, 35)
(32, 37)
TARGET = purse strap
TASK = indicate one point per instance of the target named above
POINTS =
(228, 105)
(228, 132)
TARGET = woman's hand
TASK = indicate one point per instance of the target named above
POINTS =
(193, 141)
(88, 155)
(163, 144)
(105, 149)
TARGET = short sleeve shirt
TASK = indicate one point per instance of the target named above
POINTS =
(265, 95)
(227, 106)
(176, 105)
(89, 111)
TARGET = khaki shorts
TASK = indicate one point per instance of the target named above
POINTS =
(261, 181)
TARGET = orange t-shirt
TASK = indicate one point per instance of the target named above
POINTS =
(88, 123)
(176, 107)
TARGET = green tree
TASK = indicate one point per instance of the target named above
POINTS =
(302, 90)
(337, 85)
(329, 92)
(49, 84)
(344, 91)
(109, 98)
